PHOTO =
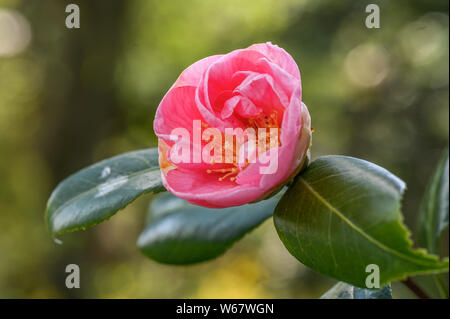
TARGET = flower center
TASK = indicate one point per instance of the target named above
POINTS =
(264, 142)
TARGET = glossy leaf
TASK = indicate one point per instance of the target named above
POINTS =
(434, 213)
(182, 233)
(345, 291)
(97, 192)
(343, 214)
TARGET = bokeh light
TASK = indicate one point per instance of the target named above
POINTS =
(367, 65)
(15, 32)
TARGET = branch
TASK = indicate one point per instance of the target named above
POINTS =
(414, 288)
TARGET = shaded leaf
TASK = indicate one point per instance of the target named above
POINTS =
(345, 291)
(97, 192)
(342, 214)
(433, 219)
(181, 233)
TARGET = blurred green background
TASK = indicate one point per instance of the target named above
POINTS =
(70, 97)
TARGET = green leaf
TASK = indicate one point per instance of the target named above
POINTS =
(433, 219)
(345, 291)
(97, 192)
(182, 233)
(343, 214)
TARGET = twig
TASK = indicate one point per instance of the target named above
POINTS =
(414, 288)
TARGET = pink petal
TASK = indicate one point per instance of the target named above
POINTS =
(261, 91)
(192, 75)
(243, 106)
(206, 190)
(176, 110)
(218, 78)
(290, 153)
(292, 119)
(283, 82)
(229, 106)
(212, 115)
(279, 56)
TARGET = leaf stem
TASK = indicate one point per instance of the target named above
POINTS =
(415, 288)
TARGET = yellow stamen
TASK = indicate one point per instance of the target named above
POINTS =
(260, 121)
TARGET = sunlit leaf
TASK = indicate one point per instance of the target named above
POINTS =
(343, 214)
(97, 192)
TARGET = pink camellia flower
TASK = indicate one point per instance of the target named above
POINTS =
(257, 89)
